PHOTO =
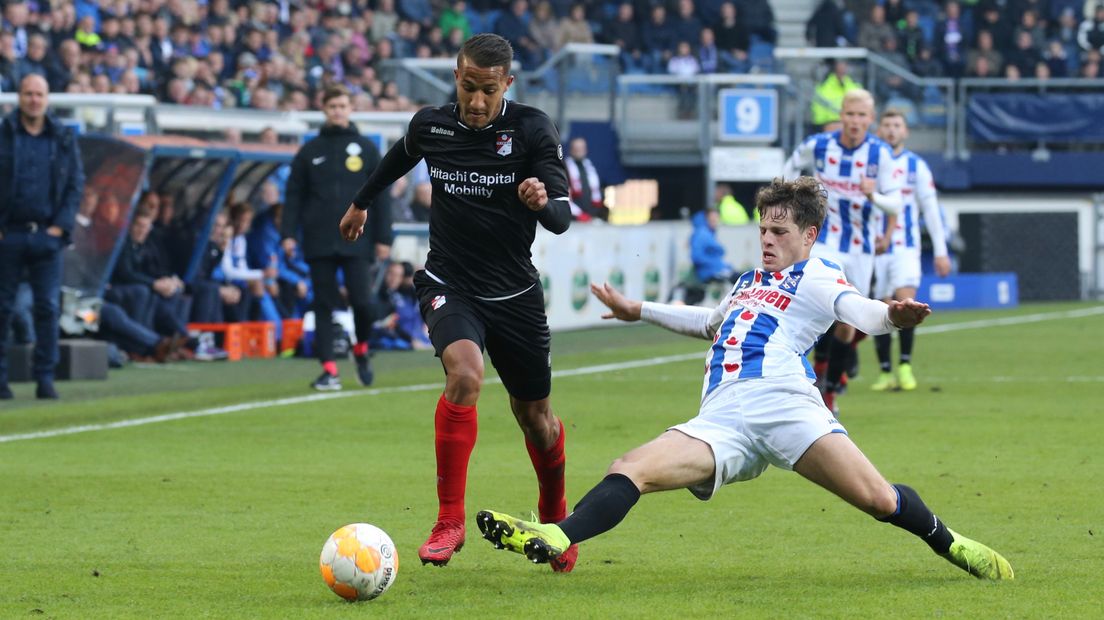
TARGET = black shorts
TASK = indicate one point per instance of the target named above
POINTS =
(513, 331)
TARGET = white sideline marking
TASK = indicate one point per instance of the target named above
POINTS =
(570, 372)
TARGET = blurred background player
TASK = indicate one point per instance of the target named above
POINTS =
(897, 271)
(497, 170)
(325, 175)
(848, 164)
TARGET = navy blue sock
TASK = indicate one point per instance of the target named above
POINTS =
(838, 353)
(601, 509)
(906, 337)
(883, 343)
(913, 516)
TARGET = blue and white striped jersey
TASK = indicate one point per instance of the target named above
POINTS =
(920, 199)
(850, 225)
(769, 321)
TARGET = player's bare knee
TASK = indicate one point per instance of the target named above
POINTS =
(462, 385)
(634, 470)
(877, 500)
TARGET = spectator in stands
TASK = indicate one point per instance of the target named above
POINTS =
(733, 39)
(709, 57)
(544, 28)
(587, 202)
(384, 20)
(513, 25)
(684, 64)
(686, 24)
(418, 11)
(828, 96)
(455, 17)
(926, 65)
(8, 62)
(1090, 35)
(998, 26)
(826, 27)
(41, 184)
(1056, 59)
(895, 11)
(659, 37)
(993, 60)
(1025, 56)
(911, 36)
(1029, 22)
(759, 17)
(15, 22)
(576, 29)
(952, 39)
(624, 32)
(873, 32)
(892, 85)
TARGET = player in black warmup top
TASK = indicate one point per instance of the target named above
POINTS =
(497, 169)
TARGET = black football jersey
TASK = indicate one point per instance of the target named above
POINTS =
(480, 232)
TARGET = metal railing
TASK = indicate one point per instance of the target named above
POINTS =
(574, 70)
(104, 113)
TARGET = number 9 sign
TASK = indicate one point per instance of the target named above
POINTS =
(747, 115)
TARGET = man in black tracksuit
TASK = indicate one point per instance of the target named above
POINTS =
(325, 175)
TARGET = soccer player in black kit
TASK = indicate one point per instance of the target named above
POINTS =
(497, 169)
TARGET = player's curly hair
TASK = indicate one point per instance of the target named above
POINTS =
(804, 197)
(487, 50)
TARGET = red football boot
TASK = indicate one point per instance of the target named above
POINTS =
(446, 539)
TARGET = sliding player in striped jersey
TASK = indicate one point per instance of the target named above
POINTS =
(897, 271)
(849, 164)
(759, 406)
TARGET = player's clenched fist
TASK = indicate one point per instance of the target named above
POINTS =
(352, 223)
(532, 193)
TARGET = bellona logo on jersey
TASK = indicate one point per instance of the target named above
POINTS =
(504, 144)
(763, 296)
(441, 131)
(437, 302)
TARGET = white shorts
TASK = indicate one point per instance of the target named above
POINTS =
(859, 268)
(897, 270)
(754, 423)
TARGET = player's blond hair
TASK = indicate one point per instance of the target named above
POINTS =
(860, 95)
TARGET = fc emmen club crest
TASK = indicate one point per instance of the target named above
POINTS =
(504, 144)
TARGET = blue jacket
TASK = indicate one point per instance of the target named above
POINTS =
(65, 161)
(706, 252)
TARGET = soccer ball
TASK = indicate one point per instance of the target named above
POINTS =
(359, 562)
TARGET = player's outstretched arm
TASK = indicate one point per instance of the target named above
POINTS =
(685, 320)
(621, 307)
(876, 317)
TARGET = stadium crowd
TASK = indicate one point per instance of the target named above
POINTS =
(1010, 39)
(281, 54)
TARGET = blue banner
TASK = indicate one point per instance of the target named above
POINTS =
(1023, 117)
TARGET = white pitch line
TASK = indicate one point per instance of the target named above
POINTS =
(421, 387)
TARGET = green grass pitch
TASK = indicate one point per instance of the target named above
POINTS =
(224, 515)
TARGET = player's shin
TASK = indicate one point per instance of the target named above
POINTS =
(838, 354)
(915, 517)
(883, 344)
(601, 509)
(549, 464)
(455, 427)
(906, 336)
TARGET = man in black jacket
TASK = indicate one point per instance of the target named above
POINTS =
(325, 175)
(39, 193)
